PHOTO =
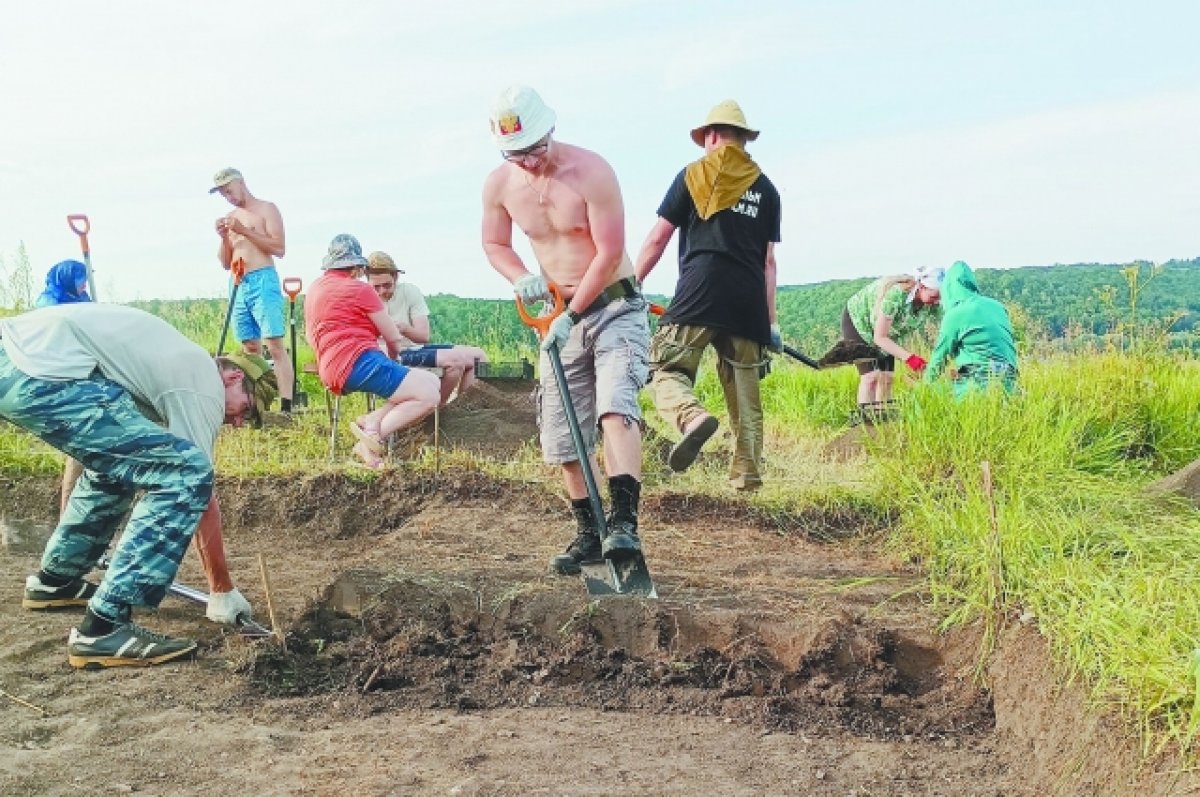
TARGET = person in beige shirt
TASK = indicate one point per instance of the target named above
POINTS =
(406, 305)
(567, 200)
(253, 233)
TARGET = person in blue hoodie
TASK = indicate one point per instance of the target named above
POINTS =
(976, 334)
(66, 283)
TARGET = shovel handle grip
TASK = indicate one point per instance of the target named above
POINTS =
(656, 309)
(81, 226)
(542, 323)
(292, 286)
(238, 269)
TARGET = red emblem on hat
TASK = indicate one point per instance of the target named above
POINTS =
(509, 123)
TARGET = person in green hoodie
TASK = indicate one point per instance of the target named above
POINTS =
(976, 334)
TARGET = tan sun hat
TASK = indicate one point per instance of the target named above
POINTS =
(224, 178)
(382, 263)
(724, 113)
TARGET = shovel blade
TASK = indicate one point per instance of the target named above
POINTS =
(300, 399)
(629, 576)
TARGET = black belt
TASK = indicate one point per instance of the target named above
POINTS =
(621, 289)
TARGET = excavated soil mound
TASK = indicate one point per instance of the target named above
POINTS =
(1184, 482)
(439, 644)
(495, 418)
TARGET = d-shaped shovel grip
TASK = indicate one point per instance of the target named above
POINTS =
(292, 286)
(81, 226)
(542, 323)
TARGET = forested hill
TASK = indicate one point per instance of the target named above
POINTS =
(1082, 298)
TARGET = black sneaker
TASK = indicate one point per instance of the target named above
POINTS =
(129, 645)
(583, 550)
(42, 596)
(622, 540)
(686, 450)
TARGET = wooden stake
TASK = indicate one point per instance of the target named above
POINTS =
(16, 699)
(262, 568)
(437, 438)
(997, 552)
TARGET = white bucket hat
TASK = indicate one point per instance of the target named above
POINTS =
(519, 118)
(929, 276)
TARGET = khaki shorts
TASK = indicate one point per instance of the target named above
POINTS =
(606, 364)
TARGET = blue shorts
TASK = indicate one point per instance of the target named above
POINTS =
(423, 356)
(258, 310)
(374, 373)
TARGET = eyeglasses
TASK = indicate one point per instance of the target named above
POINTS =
(536, 151)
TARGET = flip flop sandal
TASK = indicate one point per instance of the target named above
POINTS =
(371, 441)
(367, 457)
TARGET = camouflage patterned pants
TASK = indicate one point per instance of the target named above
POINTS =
(95, 421)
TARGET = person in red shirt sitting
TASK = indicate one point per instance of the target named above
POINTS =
(344, 320)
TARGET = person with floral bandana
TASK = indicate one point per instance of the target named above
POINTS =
(876, 318)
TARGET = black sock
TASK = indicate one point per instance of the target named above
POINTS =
(94, 625)
(51, 580)
(285, 405)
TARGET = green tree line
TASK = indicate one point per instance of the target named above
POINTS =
(1086, 299)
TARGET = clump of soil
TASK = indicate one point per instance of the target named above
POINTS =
(437, 644)
(494, 418)
(1184, 482)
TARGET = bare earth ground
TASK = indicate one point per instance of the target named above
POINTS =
(429, 654)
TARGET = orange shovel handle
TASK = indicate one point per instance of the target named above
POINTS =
(292, 286)
(81, 226)
(238, 269)
(542, 323)
(656, 309)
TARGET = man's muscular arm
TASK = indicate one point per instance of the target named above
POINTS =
(497, 231)
(606, 220)
(270, 239)
(653, 248)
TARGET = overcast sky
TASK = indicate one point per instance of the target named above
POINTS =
(1003, 133)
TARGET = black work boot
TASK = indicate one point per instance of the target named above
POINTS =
(585, 548)
(622, 540)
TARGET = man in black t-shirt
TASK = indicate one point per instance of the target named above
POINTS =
(728, 216)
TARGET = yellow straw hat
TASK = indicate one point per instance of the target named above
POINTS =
(724, 113)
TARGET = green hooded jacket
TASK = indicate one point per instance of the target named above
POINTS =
(975, 331)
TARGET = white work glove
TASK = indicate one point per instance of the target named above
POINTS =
(532, 288)
(776, 339)
(228, 607)
(559, 331)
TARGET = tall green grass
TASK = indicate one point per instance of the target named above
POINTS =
(1108, 570)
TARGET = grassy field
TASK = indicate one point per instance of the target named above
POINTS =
(1031, 506)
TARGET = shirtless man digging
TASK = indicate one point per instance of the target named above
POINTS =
(567, 201)
(253, 232)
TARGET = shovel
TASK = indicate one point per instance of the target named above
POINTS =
(629, 575)
(238, 269)
(291, 287)
(246, 626)
(82, 231)
(801, 356)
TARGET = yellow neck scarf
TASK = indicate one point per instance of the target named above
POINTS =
(718, 180)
